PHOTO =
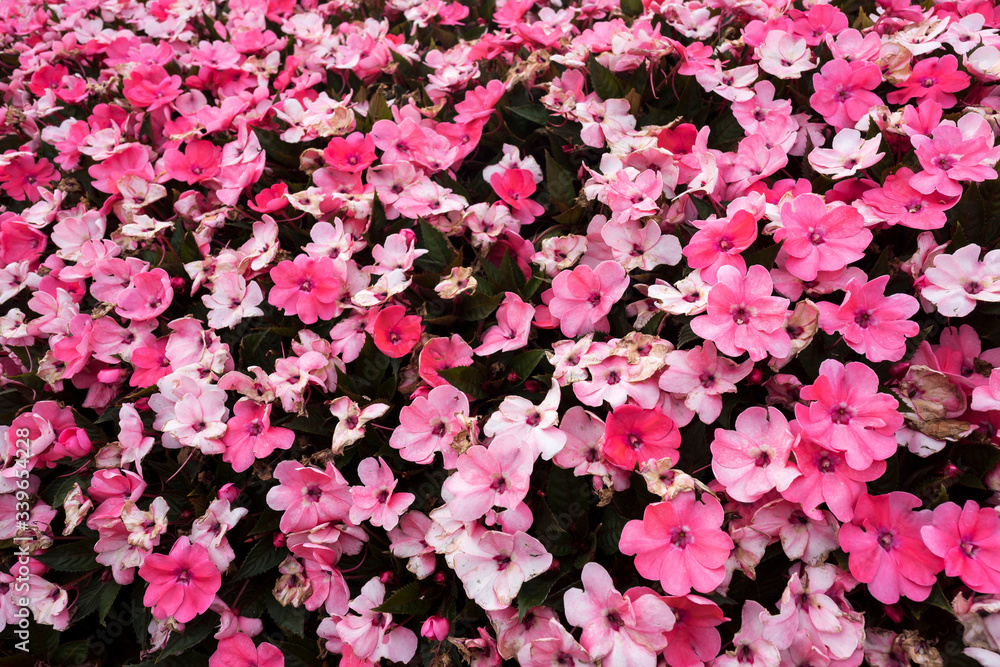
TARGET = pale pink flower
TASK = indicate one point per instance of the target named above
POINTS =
(820, 238)
(848, 153)
(701, 376)
(239, 651)
(487, 477)
(753, 459)
(429, 424)
(371, 635)
(536, 426)
(955, 283)
(872, 324)
(494, 566)
(618, 630)
(512, 328)
(784, 55)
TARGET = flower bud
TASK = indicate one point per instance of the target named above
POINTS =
(435, 628)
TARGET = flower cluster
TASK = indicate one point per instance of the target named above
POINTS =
(537, 332)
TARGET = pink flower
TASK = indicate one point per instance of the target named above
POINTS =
(955, 152)
(494, 566)
(200, 161)
(308, 496)
(22, 176)
(150, 87)
(743, 316)
(968, 539)
(886, 549)
(701, 376)
(719, 243)
(753, 459)
(370, 634)
(512, 328)
(249, 435)
(618, 630)
(899, 203)
(848, 414)
(843, 91)
(987, 397)
(693, 641)
(396, 333)
(429, 424)
(353, 153)
(440, 353)
(680, 543)
(239, 651)
(826, 477)
(182, 584)
(309, 287)
(932, 79)
(146, 297)
(634, 435)
(818, 238)
(581, 298)
(872, 324)
(435, 627)
(514, 187)
(375, 501)
(487, 477)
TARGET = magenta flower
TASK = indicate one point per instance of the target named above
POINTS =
(719, 243)
(514, 187)
(932, 79)
(753, 459)
(429, 424)
(968, 539)
(693, 641)
(843, 91)
(872, 324)
(618, 630)
(818, 238)
(634, 435)
(886, 549)
(239, 651)
(249, 435)
(395, 333)
(376, 501)
(581, 298)
(182, 584)
(743, 316)
(848, 414)
(680, 543)
(200, 161)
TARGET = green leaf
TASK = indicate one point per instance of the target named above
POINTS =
(73, 653)
(406, 598)
(534, 592)
(89, 599)
(290, 619)
(262, 557)
(109, 593)
(469, 379)
(378, 108)
(511, 277)
(195, 633)
(556, 540)
(536, 114)
(605, 83)
(267, 523)
(560, 182)
(479, 306)
(632, 7)
(765, 257)
(524, 363)
(611, 531)
(439, 250)
(77, 556)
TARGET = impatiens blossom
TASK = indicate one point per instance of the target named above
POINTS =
(633, 435)
(581, 298)
(680, 544)
(493, 567)
(968, 539)
(818, 238)
(239, 651)
(886, 549)
(618, 630)
(376, 500)
(702, 376)
(955, 282)
(371, 635)
(494, 476)
(754, 458)
(848, 414)
(430, 424)
(744, 316)
(307, 287)
(395, 333)
(872, 324)
(182, 583)
(249, 435)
